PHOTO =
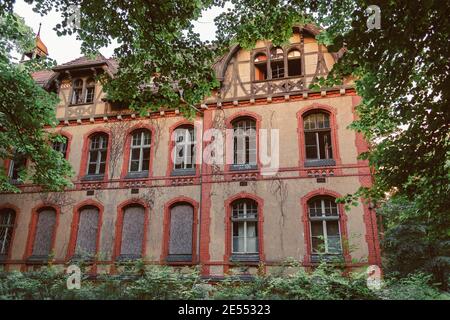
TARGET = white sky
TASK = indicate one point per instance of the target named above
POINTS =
(67, 48)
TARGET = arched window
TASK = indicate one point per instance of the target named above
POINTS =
(184, 158)
(244, 218)
(98, 149)
(260, 63)
(44, 234)
(181, 232)
(77, 91)
(294, 63)
(244, 144)
(7, 220)
(324, 223)
(140, 152)
(277, 62)
(318, 144)
(132, 232)
(86, 243)
(90, 90)
(61, 146)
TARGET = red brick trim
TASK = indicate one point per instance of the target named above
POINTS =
(331, 111)
(119, 225)
(85, 151)
(307, 229)
(229, 147)
(227, 222)
(127, 147)
(16, 223)
(33, 225)
(166, 227)
(75, 225)
(370, 219)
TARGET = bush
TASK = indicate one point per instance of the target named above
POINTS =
(162, 283)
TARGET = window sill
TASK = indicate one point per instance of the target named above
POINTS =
(128, 257)
(97, 177)
(243, 167)
(38, 259)
(179, 258)
(317, 258)
(80, 104)
(236, 257)
(137, 175)
(183, 172)
(320, 163)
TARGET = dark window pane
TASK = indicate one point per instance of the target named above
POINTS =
(7, 219)
(44, 232)
(146, 159)
(181, 223)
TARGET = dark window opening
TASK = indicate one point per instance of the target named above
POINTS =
(318, 142)
(61, 147)
(7, 220)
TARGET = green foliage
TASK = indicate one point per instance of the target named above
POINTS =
(165, 283)
(25, 109)
(412, 242)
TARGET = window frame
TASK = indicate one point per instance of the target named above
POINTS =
(244, 220)
(141, 147)
(5, 243)
(247, 149)
(105, 139)
(185, 171)
(83, 87)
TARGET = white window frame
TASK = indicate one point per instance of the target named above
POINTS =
(186, 145)
(240, 134)
(245, 219)
(99, 153)
(141, 148)
(324, 219)
(316, 131)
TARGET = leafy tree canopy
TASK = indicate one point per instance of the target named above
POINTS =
(25, 109)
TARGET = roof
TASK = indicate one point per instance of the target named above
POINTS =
(41, 46)
(42, 77)
(86, 61)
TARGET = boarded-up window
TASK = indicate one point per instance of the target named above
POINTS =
(181, 224)
(45, 230)
(132, 232)
(87, 232)
(7, 218)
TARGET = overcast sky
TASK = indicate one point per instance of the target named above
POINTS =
(64, 49)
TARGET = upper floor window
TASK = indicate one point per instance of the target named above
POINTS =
(277, 63)
(61, 146)
(260, 63)
(83, 91)
(280, 65)
(324, 224)
(90, 90)
(140, 151)
(98, 149)
(16, 165)
(244, 220)
(86, 243)
(7, 220)
(318, 144)
(294, 63)
(184, 158)
(131, 243)
(44, 233)
(244, 143)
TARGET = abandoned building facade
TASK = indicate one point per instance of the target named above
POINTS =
(141, 189)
